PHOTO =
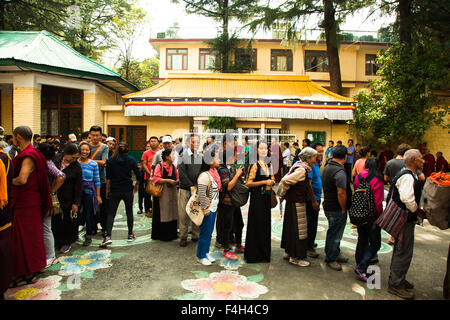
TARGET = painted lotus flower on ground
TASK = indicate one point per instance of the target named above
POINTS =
(89, 261)
(43, 289)
(224, 285)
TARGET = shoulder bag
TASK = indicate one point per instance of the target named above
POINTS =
(152, 188)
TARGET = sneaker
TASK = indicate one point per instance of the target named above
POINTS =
(218, 245)
(361, 275)
(341, 259)
(80, 228)
(148, 214)
(87, 241)
(229, 255)
(131, 237)
(51, 262)
(312, 254)
(210, 258)
(65, 249)
(300, 263)
(401, 292)
(183, 243)
(105, 242)
(204, 261)
(140, 211)
(240, 249)
(286, 256)
(334, 265)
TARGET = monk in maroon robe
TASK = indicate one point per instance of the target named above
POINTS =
(430, 162)
(441, 163)
(385, 156)
(30, 201)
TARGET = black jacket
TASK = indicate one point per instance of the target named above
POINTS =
(70, 191)
(118, 170)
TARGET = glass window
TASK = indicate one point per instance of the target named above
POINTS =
(281, 60)
(247, 58)
(207, 58)
(176, 59)
(371, 66)
(316, 61)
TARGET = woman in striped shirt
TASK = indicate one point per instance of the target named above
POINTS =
(90, 198)
(208, 186)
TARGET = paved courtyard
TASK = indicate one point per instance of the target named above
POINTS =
(155, 270)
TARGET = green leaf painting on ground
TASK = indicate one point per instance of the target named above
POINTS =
(88, 274)
(201, 274)
(256, 278)
(54, 267)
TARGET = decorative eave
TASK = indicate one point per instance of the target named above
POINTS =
(239, 95)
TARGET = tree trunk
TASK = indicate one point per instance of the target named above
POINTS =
(2, 15)
(225, 18)
(330, 26)
(404, 14)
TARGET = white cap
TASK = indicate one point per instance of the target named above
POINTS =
(166, 139)
(110, 139)
(72, 137)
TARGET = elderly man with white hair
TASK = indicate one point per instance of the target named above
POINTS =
(295, 188)
(406, 194)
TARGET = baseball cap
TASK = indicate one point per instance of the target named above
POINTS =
(110, 139)
(166, 139)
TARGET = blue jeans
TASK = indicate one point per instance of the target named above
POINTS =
(336, 226)
(88, 214)
(206, 230)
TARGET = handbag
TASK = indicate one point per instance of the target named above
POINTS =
(194, 210)
(55, 209)
(152, 188)
(273, 199)
(393, 219)
(239, 194)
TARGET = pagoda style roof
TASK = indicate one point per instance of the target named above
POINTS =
(239, 95)
(43, 52)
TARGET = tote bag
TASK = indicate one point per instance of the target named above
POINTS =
(393, 219)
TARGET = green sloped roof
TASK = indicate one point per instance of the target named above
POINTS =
(42, 50)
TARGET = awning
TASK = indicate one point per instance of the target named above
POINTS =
(239, 95)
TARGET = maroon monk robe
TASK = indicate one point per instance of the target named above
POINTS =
(29, 203)
(428, 166)
(441, 164)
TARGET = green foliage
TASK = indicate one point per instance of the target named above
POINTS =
(388, 35)
(368, 38)
(400, 106)
(140, 73)
(34, 15)
(221, 123)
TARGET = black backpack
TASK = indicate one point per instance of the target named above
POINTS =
(362, 209)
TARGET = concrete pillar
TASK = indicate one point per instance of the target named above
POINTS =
(26, 102)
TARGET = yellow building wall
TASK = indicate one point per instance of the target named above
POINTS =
(27, 108)
(332, 131)
(7, 112)
(156, 126)
(92, 115)
(352, 61)
(438, 139)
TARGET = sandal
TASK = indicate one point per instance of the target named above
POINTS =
(22, 281)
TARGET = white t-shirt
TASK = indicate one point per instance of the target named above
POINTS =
(286, 156)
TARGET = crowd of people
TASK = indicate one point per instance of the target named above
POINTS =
(54, 191)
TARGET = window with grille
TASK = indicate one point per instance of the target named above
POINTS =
(207, 58)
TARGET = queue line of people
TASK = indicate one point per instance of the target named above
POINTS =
(75, 176)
